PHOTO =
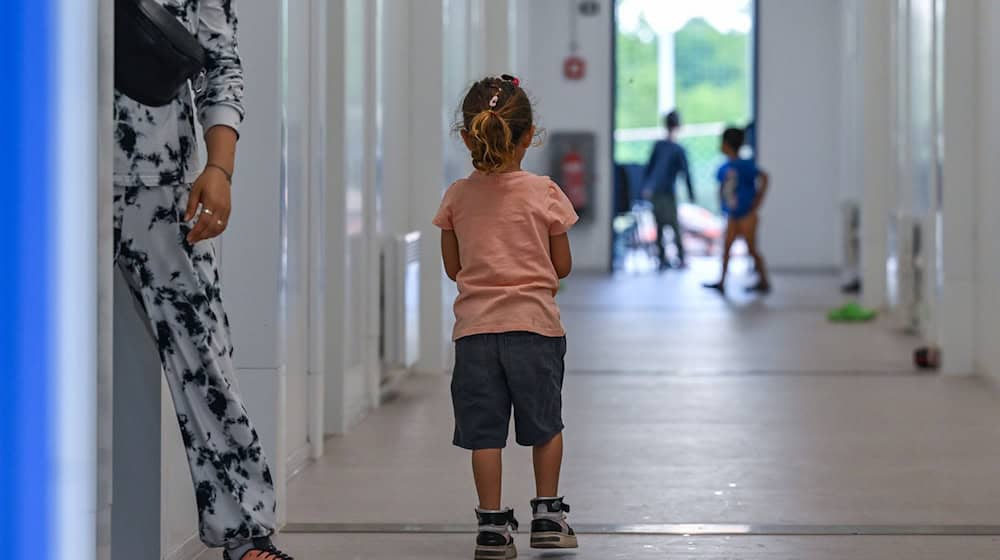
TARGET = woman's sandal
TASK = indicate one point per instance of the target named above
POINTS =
(263, 549)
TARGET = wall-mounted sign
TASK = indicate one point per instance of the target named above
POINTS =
(574, 67)
(589, 7)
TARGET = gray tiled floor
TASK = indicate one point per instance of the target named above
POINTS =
(683, 408)
(456, 547)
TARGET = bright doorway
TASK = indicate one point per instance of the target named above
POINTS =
(695, 57)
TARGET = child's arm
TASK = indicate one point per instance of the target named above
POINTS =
(648, 173)
(562, 259)
(687, 175)
(763, 180)
(449, 253)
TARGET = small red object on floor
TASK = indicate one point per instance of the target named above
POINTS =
(927, 357)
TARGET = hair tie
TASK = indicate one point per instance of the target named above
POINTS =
(512, 79)
(494, 101)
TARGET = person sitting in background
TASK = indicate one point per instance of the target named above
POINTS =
(742, 188)
(667, 161)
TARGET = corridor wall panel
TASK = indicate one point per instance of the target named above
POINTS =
(543, 32)
(48, 338)
(799, 118)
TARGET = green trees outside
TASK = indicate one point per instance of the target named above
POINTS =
(712, 85)
(712, 73)
(637, 79)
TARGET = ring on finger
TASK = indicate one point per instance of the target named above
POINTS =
(220, 222)
(207, 212)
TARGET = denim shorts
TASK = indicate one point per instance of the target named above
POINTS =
(495, 373)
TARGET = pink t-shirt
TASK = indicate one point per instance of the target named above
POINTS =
(503, 223)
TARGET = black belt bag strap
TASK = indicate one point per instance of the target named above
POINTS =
(155, 55)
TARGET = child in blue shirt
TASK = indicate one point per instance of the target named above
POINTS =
(742, 187)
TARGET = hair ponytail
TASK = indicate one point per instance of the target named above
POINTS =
(491, 142)
(496, 114)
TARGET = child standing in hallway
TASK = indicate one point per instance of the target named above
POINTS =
(504, 240)
(742, 188)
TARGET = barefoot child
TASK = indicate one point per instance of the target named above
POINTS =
(742, 190)
(504, 241)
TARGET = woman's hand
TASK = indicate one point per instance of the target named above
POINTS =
(212, 192)
(213, 188)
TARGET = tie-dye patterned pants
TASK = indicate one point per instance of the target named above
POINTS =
(178, 287)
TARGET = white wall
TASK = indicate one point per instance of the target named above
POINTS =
(962, 316)
(987, 259)
(394, 114)
(395, 76)
(411, 131)
(876, 141)
(426, 136)
(427, 59)
(351, 228)
(851, 74)
(296, 176)
(958, 308)
(799, 116)
(542, 43)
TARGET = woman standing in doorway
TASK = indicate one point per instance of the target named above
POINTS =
(168, 208)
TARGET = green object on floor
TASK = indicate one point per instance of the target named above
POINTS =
(851, 313)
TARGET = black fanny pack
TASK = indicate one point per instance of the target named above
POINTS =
(155, 55)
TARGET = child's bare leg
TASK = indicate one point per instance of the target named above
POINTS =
(731, 231)
(749, 231)
(727, 245)
(487, 469)
(548, 463)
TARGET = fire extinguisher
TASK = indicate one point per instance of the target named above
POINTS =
(574, 179)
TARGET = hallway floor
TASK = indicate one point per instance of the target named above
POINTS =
(697, 427)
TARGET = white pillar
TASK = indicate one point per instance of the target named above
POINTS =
(960, 183)
(252, 249)
(428, 116)
(498, 17)
(372, 189)
(334, 242)
(394, 92)
(317, 231)
(105, 280)
(352, 278)
(988, 201)
(878, 155)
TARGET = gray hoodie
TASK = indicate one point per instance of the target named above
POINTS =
(156, 146)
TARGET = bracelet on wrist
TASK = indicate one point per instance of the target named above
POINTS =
(226, 172)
